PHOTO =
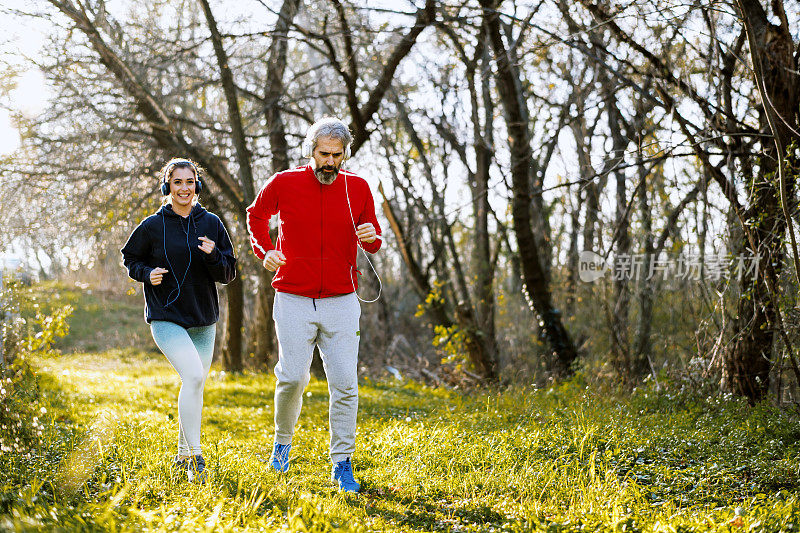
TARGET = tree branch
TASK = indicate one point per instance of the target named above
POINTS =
(243, 155)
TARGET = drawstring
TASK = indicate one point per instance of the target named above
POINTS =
(359, 245)
(314, 301)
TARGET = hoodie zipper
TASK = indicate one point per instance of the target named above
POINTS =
(321, 227)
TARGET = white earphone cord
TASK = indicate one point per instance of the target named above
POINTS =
(358, 243)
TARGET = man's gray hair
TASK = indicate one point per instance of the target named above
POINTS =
(328, 127)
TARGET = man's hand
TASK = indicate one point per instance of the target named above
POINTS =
(207, 244)
(273, 260)
(366, 233)
(156, 275)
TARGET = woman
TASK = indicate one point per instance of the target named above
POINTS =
(179, 253)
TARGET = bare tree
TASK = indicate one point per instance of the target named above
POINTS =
(761, 217)
(535, 276)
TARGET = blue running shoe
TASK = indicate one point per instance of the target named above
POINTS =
(280, 457)
(197, 470)
(342, 475)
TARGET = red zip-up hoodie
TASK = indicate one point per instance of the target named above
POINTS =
(315, 230)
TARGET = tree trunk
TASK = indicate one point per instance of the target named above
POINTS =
(573, 258)
(273, 90)
(586, 175)
(620, 341)
(263, 342)
(747, 364)
(482, 254)
(243, 153)
(642, 346)
(746, 367)
(539, 218)
(536, 288)
(476, 350)
(484, 286)
(232, 350)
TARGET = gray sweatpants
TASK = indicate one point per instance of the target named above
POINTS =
(331, 324)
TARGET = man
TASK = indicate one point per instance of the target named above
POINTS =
(324, 213)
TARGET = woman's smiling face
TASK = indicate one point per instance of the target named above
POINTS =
(182, 187)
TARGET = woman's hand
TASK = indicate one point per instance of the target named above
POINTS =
(156, 275)
(207, 244)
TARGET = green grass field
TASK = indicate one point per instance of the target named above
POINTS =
(567, 458)
(99, 321)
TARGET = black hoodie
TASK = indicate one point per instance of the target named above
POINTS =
(187, 294)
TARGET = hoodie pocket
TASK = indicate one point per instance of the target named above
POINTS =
(299, 273)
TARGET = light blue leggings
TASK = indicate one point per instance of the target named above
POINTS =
(190, 351)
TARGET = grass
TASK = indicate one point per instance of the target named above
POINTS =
(566, 458)
(99, 321)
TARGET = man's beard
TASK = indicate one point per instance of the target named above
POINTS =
(326, 175)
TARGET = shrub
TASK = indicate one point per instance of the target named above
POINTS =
(23, 415)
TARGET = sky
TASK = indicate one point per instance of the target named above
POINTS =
(29, 97)
(21, 39)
